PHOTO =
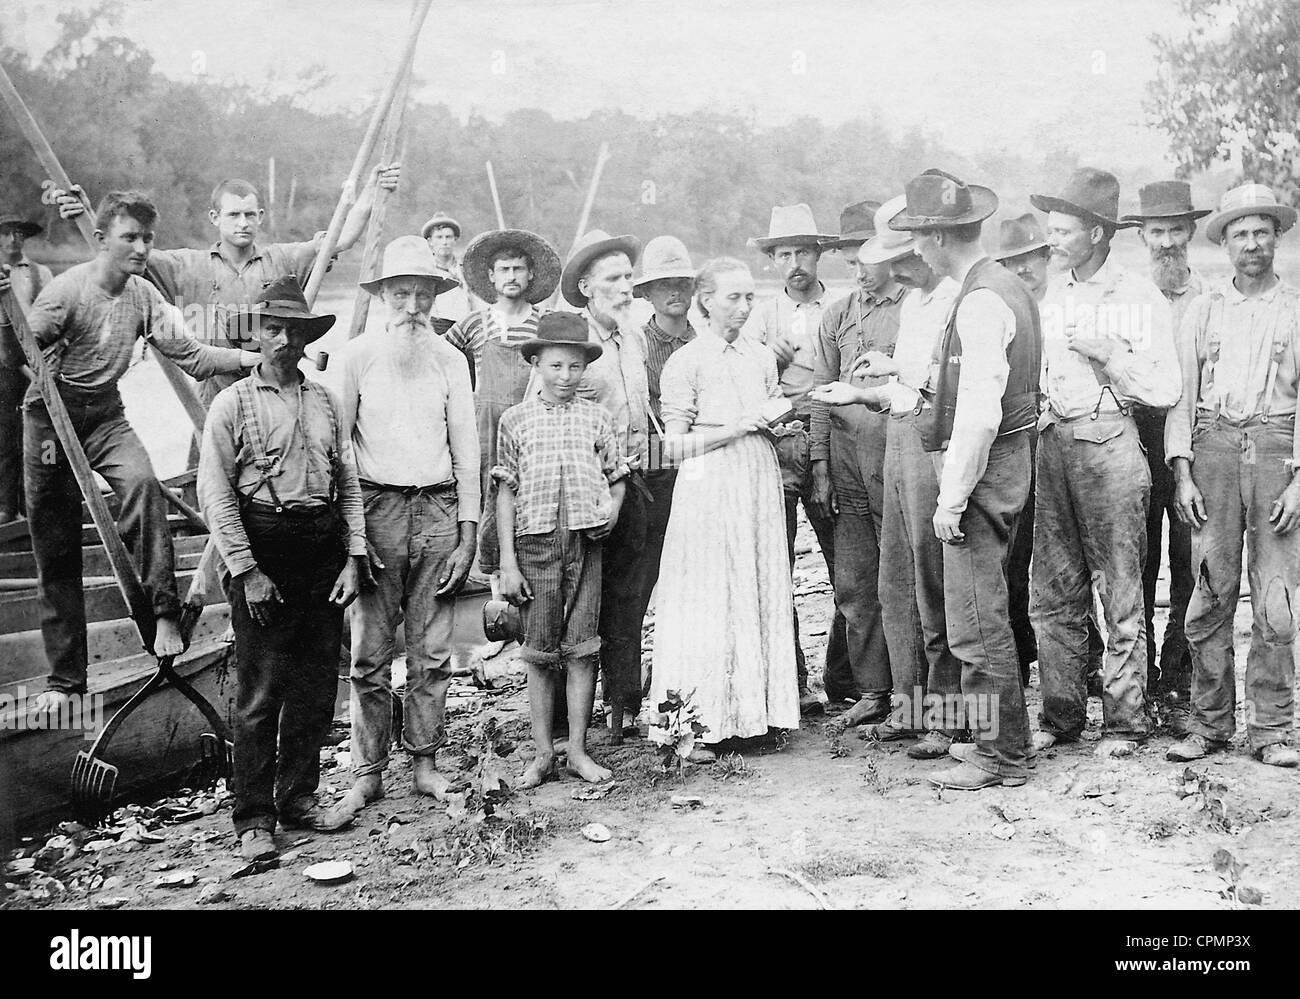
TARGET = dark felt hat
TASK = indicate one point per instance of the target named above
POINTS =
(857, 225)
(1019, 235)
(283, 299)
(8, 220)
(1090, 194)
(1165, 199)
(938, 200)
(561, 329)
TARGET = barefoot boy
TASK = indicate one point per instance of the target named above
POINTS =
(560, 472)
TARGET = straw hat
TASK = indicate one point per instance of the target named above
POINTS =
(478, 256)
(561, 329)
(887, 244)
(409, 256)
(664, 258)
(440, 219)
(595, 244)
(1248, 199)
(790, 225)
(283, 299)
(1019, 235)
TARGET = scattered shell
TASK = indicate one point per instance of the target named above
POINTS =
(212, 894)
(177, 879)
(111, 902)
(329, 872)
(1003, 830)
(687, 801)
(595, 832)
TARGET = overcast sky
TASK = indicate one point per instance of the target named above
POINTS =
(979, 74)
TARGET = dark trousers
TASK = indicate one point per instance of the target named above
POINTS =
(287, 670)
(54, 508)
(623, 569)
(1171, 674)
(796, 486)
(979, 626)
(660, 483)
(12, 387)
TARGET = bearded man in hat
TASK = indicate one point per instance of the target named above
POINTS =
(215, 286)
(1235, 453)
(597, 278)
(983, 393)
(27, 278)
(86, 322)
(1107, 345)
(511, 271)
(442, 232)
(847, 453)
(278, 485)
(788, 325)
(666, 279)
(408, 410)
(1168, 222)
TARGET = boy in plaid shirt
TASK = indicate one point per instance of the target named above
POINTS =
(559, 471)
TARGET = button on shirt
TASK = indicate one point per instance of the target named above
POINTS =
(617, 381)
(1115, 304)
(798, 322)
(922, 319)
(858, 323)
(411, 420)
(1234, 386)
(558, 453)
(296, 428)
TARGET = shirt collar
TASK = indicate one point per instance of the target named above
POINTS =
(215, 250)
(1231, 292)
(261, 382)
(1105, 275)
(871, 298)
(604, 334)
(821, 294)
(653, 329)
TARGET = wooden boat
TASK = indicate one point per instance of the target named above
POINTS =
(158, 747)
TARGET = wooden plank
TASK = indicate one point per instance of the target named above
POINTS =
(93, 560)
(21, 611)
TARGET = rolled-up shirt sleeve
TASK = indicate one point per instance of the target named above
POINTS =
(1182, 417)
(506, 470)
(986, 325)
(218, 472)
(165, 331)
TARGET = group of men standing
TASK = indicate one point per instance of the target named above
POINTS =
(962, 410)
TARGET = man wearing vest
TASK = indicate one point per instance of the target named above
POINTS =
(983, 392)
(1168, 223)
(279, 488)
(1235, 453)
(1107, 344)
(27, 279)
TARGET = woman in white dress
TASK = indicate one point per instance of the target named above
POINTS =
(723, 631)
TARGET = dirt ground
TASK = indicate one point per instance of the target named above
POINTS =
(817, 822)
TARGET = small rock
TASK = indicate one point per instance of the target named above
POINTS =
(596, 832)
(687, 801)
(111, 902)
(113, 883)
(1003, 830)
(1115, 748)
(1250, 896)
(212, 894)
(96, 845)
(162, 865)
(178, 879)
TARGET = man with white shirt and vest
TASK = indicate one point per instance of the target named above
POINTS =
(983, 393)
(847, 451)
(911, 557)
(1235, 453)
(788, 324)
(1107, 345)
(597, 278)
(1168, 222)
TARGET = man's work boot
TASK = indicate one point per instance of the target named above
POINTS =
(934, 745)
(1194, 747)
(965, 752)
(873, 706)
(257, 844)
(1279, 754)
(810, 704)
(968, 777)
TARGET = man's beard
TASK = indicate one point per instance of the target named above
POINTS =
(412, 354)
(618, 308)
(1169, 268)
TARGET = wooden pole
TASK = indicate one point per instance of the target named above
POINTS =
(293, 193)
(180, 382)
(378, 214)
(368, 142)
(496, 197)
(602, 156)
(270, 193)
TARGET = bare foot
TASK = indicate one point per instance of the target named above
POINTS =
(541, 769)
(167, 640)
(366, 789)
(866, 709)
(582, 765)
(428, 780)
(52, 702)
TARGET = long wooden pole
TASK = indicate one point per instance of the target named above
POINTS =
(496, 197)
(363, 156)
(602, 156)
(378, 214)
(180, 382)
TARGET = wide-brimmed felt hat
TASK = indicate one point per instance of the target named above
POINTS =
(283, 299)
(664, 258)
(938, 200)
(1165, 199)
(1090, 194)
(476, 264)
(1019, 235)
(409, 256)
(887, 244)
(595, 244)
(857, 225)
(561, 329)
(791, 225)
(8, 220)
(1248, 199)
(440, 219)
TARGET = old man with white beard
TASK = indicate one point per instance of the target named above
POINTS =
(409, 410)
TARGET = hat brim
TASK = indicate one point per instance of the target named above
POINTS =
(847, 241)
(26, 229)
(672, 274)
(529, 348)
(316, 326)
(578, 263)
(1285, 215)
(546, 263)
(983, 203)
(1015, 251)
(442, 282)
(1044, 203)
(880, 254)
(765, 243)
(1199, 213)
(432, 224)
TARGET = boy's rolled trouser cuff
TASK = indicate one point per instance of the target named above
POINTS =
(565, 654)
(369, 769)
